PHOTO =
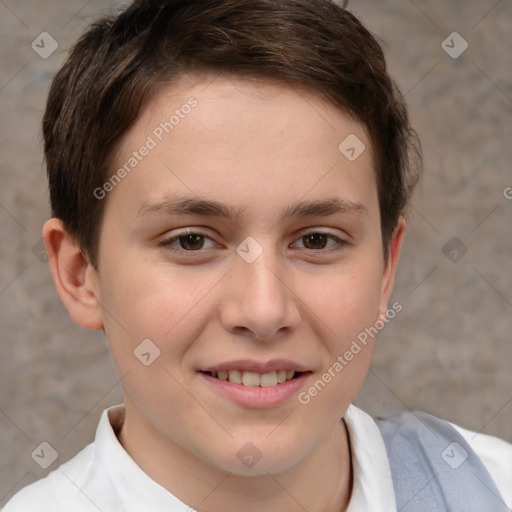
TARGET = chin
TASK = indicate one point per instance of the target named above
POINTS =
(263, 467)
(258, 456)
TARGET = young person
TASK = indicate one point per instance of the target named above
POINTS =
(229, 181)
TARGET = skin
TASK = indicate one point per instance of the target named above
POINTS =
(261, 147)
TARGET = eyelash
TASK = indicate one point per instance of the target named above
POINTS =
(168, 243)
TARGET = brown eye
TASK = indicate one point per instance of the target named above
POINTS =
(191, 242)
(315, 240)
(322, 243)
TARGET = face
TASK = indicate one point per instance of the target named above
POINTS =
(241, 245)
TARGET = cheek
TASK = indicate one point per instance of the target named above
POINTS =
(347, 306)
(346, 299)
(156, 301)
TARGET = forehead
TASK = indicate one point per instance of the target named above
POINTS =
(248, 103)
(232, 136)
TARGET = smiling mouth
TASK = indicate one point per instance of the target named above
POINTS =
(253, 379)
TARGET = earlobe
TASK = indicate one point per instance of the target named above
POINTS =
(74, 276)
(388, 277)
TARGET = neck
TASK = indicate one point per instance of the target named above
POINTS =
(320, 482)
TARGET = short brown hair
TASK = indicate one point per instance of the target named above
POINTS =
(121, 61)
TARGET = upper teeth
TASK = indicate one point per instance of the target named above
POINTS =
(255, 379)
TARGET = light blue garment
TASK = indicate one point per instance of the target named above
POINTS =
(434, 469)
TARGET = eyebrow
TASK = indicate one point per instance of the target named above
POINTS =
(181, 205)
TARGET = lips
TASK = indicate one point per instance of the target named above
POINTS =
(256, 396)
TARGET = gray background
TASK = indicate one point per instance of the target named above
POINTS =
(448, 352)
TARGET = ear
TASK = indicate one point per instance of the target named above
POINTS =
(75, 278)
(388, 276)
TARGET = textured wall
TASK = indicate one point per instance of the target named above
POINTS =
(448, 352)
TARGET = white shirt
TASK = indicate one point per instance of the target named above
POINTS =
(103, 477)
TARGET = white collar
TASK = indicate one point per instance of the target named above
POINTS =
(134, 488)
(373, 487)
(372, 484)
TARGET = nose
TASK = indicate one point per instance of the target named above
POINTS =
(259, 300)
